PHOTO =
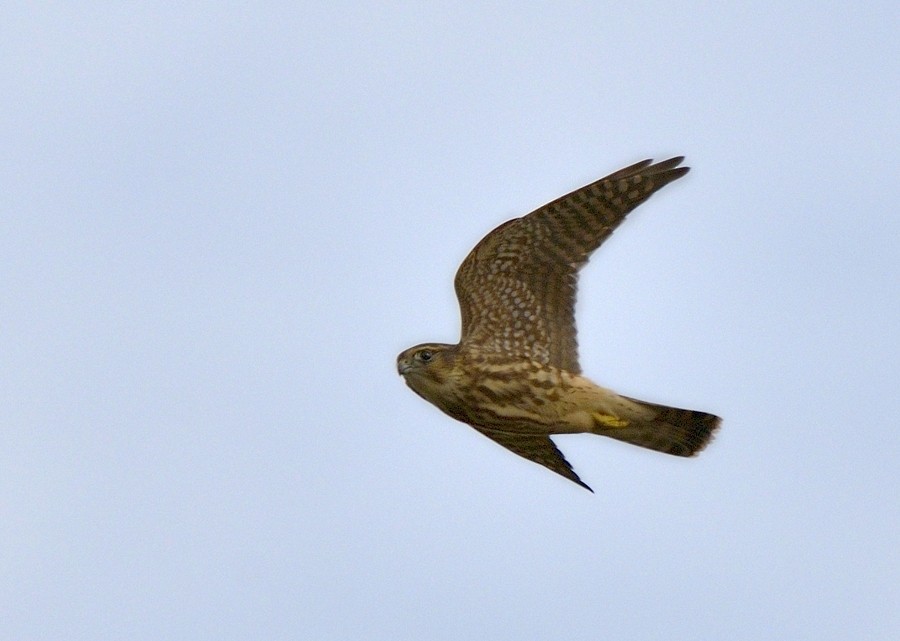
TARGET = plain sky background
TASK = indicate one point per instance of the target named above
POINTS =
(220, 223)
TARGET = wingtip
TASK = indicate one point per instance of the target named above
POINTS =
(670, 163)
(669, 167)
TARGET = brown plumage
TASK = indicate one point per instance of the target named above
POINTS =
(514, 376)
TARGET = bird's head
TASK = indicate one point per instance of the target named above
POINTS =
(434, 372)
(427, 367)
(426, 359)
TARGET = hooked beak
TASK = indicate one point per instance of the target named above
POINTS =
(403, 366)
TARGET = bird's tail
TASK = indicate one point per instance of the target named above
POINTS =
(670, 430)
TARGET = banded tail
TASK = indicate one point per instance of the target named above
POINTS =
(671, 430)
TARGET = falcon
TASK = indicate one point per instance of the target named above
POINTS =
(514, 375)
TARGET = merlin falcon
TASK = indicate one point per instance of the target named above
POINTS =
(514, 375)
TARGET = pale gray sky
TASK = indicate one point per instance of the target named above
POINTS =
(221, 222)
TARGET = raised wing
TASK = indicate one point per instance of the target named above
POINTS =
(517, 288)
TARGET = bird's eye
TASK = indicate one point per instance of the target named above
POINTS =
(425, 355)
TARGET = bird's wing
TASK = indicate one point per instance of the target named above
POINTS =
(516, 289)
(538, 448)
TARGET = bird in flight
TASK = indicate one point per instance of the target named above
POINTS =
(514, 375)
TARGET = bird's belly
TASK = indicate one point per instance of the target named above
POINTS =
(572, 404)
(519, 406)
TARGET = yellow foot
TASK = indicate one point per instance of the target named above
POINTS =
(607, 420)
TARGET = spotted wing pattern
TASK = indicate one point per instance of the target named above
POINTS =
(517, 288)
